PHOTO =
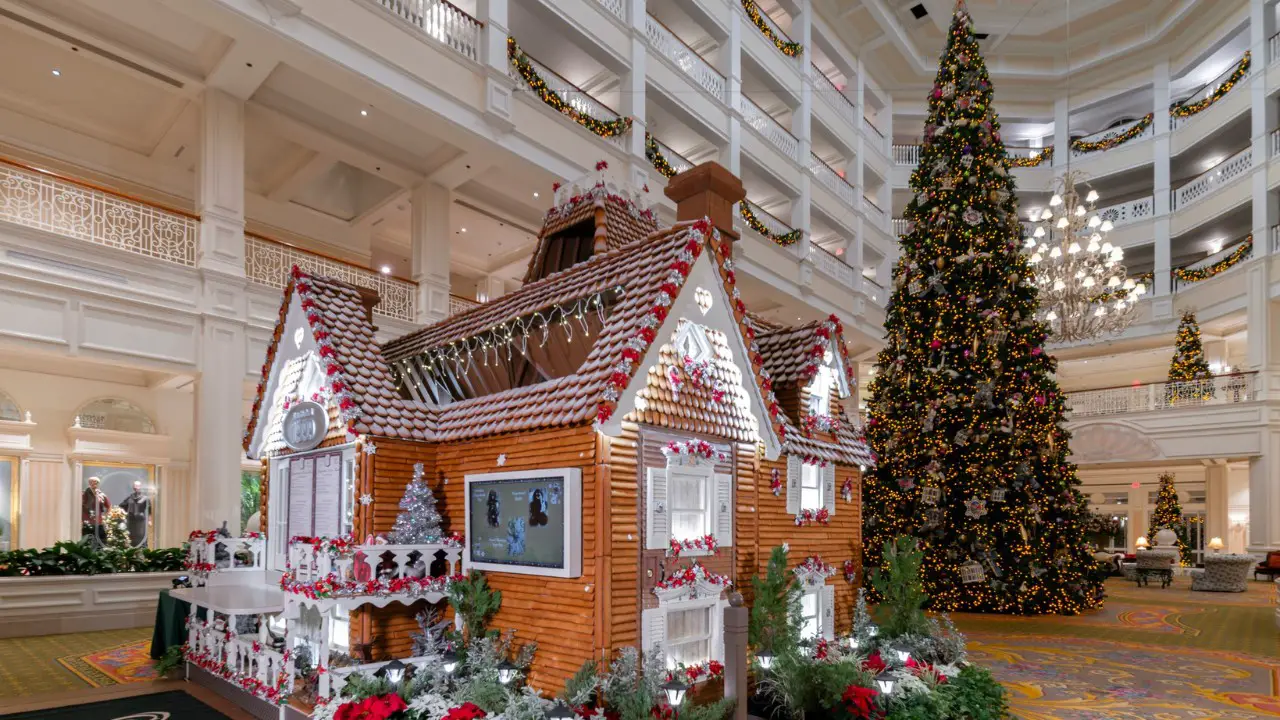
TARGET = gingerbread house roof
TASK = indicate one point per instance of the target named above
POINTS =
(624, 221)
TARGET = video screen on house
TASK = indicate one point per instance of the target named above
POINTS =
(518, 521)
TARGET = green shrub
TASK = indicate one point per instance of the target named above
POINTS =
(75, 558)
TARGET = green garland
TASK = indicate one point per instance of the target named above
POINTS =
(1035, 160)
(603, 128)
(1223, 265)
(1114, 139)
(656, 158)
(785, 240)
(1183, 110)
(788, 47)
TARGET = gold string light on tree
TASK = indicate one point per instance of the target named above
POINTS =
(531, 76)
(1189, 375)
(1187, 110)
(966, 419)
(790, 48)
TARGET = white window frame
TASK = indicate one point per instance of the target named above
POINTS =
(820, 390)
(655, 624)
(717, 496)
(824, 596)
(817, 614)
(810, 487)
(709, 606)
(706, 476)
(277, 525)
(796, 472)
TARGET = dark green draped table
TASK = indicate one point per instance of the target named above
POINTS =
(171, 624)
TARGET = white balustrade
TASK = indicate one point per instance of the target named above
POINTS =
(832, 180)
(908, 155)
(677, 161)
(216, 562)
(44, 201)
(269, 263)
(777, 31)
(771, 223)
(1273, 53)
(1148, 131)
(442, 21)
(1132, 211)
(1210, 260)
(1221, 174)
(833, 266)
(900, 226)
(213, 645)
(873, 132)
(872, 210)
(459, 304)
(571, 95)
(1219, 390)
(364, 563)
(617, 7)
(666, 44)
(834, 97)
(770, 129)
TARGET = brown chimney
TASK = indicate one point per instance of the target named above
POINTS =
(369, 299)
(708, 190)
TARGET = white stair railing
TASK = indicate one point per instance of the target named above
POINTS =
(665, 43)
(908, 155)
(1216, 177)
(441, 21)
(770, 129)
(1219, 390)
(832, 180)
(1132, 211)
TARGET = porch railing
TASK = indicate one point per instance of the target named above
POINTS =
(1152, 397)
(268, 262)
(46, 201)
(834, 97)
(214, 563)
(1221, 174)
(907, 155)
(365, 562)
(441, 21)
(668, 45)
(1134, 210)
(832, 180)
(770, 129)
(570, 94)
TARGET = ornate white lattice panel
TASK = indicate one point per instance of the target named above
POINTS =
(269, 263)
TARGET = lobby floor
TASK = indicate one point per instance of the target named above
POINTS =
(1148, 653)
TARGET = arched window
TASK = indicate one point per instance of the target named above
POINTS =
(9, 409)
(114, 414)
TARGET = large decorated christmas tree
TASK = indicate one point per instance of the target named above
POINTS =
(1189, 369)
(966, 418)
(1168, 514)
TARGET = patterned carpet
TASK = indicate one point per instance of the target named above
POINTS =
(1149, 654)
(75, 661)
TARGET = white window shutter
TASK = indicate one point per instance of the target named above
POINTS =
(828, 610)
(653, 626)
(717, 630)
(724, 509)
(657, 511)
(794, 468)
(278, 512)
(829, 487)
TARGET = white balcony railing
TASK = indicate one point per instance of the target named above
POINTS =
(1221, 174)
(349, 574)
(441, 21)
(906, 155)
(832, 180)
(1132, 211)
(770, 129)
(678, 162)
(460, 304)
(1219, 390)
(1148, 131)
(44, 201)
(833, 266)
(616, 7)
(834, 97)
(248, 662)
(872, 210)
(268, 263)
(873, 132)
(1179, 284)
(777, 31)
(665, 43)
(899, 227)
(571, 95)
(213, 559)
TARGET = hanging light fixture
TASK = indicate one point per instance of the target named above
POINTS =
(1084, 291)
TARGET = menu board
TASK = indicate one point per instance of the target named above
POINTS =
(301, 496)
(328, 495)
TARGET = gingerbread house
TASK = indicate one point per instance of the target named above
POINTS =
(615, 444)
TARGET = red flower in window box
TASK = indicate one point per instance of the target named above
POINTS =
(874, 664)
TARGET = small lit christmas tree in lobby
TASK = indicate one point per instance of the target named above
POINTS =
(1189, 368)
(966, 418)
(1168, 514)
(418, 522)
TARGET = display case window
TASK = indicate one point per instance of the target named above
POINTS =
(114, 414)
(8, 503)
(118, 504)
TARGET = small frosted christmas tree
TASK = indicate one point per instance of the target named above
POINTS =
(418, 522)
(1189, 368)
(1168, 514)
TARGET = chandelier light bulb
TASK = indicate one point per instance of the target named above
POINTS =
(1055, 201)
(1055, 253)
(1106, 226)
(1117, 254)
(1141, 289)
(1106, 247)
(1073, 248)
(1080, 210)
(1128, 283)
(1030, 243)
(1092, 196)
(1059, 285)
(1063, 222)
(1095, 221)
(1039, 231)
(1093, 246)
(1035, 258)
(1113, 281)
(1088, 282)
(1100, 312)
(1095, 238)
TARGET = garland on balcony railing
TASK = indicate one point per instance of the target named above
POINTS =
(785, 239)
(1183, 110)
(531, 76)
(1191, 275)
(1114, 139)
(1034, 161)
(789, 48)
(656, 158)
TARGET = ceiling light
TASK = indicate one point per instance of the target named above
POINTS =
(57, 72)
(1055, 201)
(386, 269)
(1092, 196)
(1215, 246)
(535, 194)
(364, 113)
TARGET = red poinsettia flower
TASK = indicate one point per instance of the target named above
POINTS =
(875, 663)
(861, 702)
(465, 711)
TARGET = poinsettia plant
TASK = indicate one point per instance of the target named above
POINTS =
(375, 707)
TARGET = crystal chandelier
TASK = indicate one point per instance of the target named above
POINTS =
(1084, 293)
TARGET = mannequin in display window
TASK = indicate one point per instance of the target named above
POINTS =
(93, 511)
(137, 510)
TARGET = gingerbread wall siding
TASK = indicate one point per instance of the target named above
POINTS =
(625, 538)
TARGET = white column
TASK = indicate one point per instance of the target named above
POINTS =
(1137, 513)
(859, 181)
(1160, 165)
(490, 287)
(1264, 495)
(430, 232)
(1261, 27)
(633, 93)
(1061, 138)
(223, 307)
(802, 128)
(1215, 501)
(493, 56)
(731, 65)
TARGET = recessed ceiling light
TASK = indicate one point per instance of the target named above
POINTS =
(464, 229)
(386, 269)
(364, 113)
(918, 11)
(57, 72)
(535, 194)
